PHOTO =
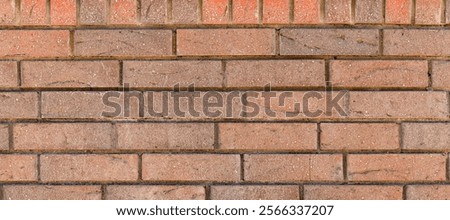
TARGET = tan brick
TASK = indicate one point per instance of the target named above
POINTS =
(258, 192)
(428, 192)
(185, 11)
(293, 167)
(155, 192)
(4, 137)
(396, 167)
(225, 42)
(49, 192)
(277, 73)
(118, 42)
(85, 167)
(369, 11)
(8, 74)
(153, 11)
(379, 74)
(268, 136)
(70, 74)
(426, 136)
(18, 105)
(73, 104)
(429, 11)
(165, 136)
(33, 12)
(417, 42)
(329, 42)
(338, 11)
(398, 105)
(191, 167)
(7, 12)
(441, 75)
(356, 136)
(93, 12)
(352, 192)
(61, 136)
(18, 167)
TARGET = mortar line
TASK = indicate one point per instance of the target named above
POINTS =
(18, 9)
(383, 11)
(2, 193)
(48, 6)
(140, 155)
(207, 192)
(319, 132)
(404, 196)
(121, 74)
(260, 11)
(400, 136)
(38, 167)
(216, 136)
(200, 11)
(224, 73)
(353, 11)
(77, 12)
(39, 93)
(114, 136)
(169, 11)
(104, 191)
(277, 42)
(230, 11)
(72, 42)
(108, 12)
(381, 42)
(11, 136)
(447, 164)
(413, 12)
(301, 192)
(291, 11)
(430, 75)
(139, 11)
(322, 11)
(443, 11)
(345, 166)
(19, 73)
(242, 163)
(174, 42)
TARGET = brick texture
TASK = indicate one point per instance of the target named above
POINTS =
(19, 105)
(255, 192)
(398, 11)
(33, 12)
(429, 12)
(153, 11)
(307, 11)
(440, 75)
(4, 137)
(7, 12)
(155, 192)
(93, 12)
(63, 12)
(426, 136)
(185, 11)
(51, 192)
(428, 192)
(352, 192)
(215, 11)
(8, 74)
(276, 11)
(369, 11)
(123, 12)
(338, 11)
(18, 168)
(245, 11)
(416, 42)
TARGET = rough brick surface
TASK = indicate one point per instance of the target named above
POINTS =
(307, 11)
(93, 12)
(215, 11)
(63, 12)
(352, 192)
(428, 192)
(429, 11)
(19, 105)
(33, 12)
(51, 192)
(73, 104)
(369, 11)
(7, 12)
(153, 11)
(417, 42)
(398, 11)
(4, 137)
(185, 11)
(155, 192)
(123, 12)
(245, 11)
(426, 136)
(441, 75)
(338, 11)
(255, 192)
(18, 167)
(8, 74)
(276, 11)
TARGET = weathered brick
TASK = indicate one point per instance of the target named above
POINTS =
(7, 12)
(18, 105)
(277, 73)
(93, 12)
(4, 137)
(307, 11)
(215, 11)
(70, 74)
(379, 74)
(8, 74)
(166, 136)
(352, 192)
(63, 12)
(50, 192)
(185, 11)
(276, 11)
(293, 167)
(429, 11)
(123, 42)
(329, 42)
(191, 167)
(153, 11)
(428, 192)
(356, 136)
(447, 9)
(34, 43)
(155, 192)
(257, 192)
(18, 167)
(396, 167)
(33, 12)
(398, 105)
(73, 104)
(268, 136)
(417, 42)
(225, 42)
(338, 11)
(369, 11)
(398, 11)
(85, 167)
(62, 136)
(123, 12)
(245, 11)
(167, 74)
(440, 75)
(426, 136)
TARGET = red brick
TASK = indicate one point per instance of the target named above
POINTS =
(49, 192)
(245, 11)
(191, 167)
(225, 42)
(153, 11)
(155, 192)
(352, 192)
(268, 136)
(257, 192)
(166, 136)
(60, 136)
(166, 74)
(18, 105)
(73, 105)
(123, 12)
(70, 74)
(441, 75)
(8, 74)
(277, 73)
(34, 43)
(7, 12)
(307, 12)
(276, 11)
(396, 167)
(4, 137)
(329, 42)
(85, 167)
(356, 136)
(293, 167)
(379, 74)
(417, 42)
(338, 11)
(123, 42)
(398, 11)
(369, 11)
(185, 11)
(398, 105)
(428, 192)
(426, 136)
(429, 11)
(33, 12)
(93, 12)
(215, 11)
(18, 167)
(63, 12)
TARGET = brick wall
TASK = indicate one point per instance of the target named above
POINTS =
(312, 99)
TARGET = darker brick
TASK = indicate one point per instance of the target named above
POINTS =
(428, 192)
(338, 11)
(153, 11)
(185, 11)
(93, 12)
(369, 11)
(417, 42)
(426, 136)
(18, 105)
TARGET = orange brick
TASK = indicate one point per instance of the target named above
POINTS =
(338, 11)
(429, 11)
(85, 167)
(93, 12)
(428, 192)
(276, 11)
(440, 75)
(185, 11)
(417, 42)
(33, 12)
(18, 167)
(257, 192)
(426, 136)
(63, 12)
(123, 12)
(396, 167)
(153, 11)
(352, 192)
(7, 12)
(191, 167)
(50, 192)
(8, 74)
(293, 167)
(215, 11)
(398, 11)
(4, 137)
(18, 105)
(307, 12)
(178, 192)
(369, 11)
(245, 11)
